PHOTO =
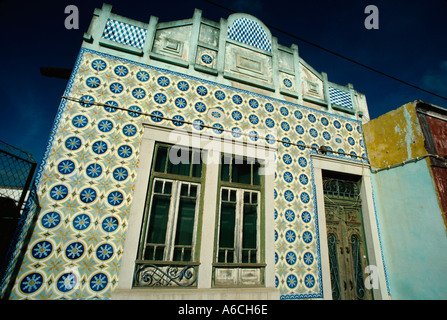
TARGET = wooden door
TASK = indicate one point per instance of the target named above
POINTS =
(346, 240)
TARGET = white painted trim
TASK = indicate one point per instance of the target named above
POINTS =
(369, 219)
(136, 215)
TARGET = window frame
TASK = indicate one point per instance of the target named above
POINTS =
(238, 228)
(260, 223)
(177, 181)
(205, 141)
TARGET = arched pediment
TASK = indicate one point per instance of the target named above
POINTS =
(250, 31)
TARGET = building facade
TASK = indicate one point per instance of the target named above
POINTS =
(407, 151)
(202, 160)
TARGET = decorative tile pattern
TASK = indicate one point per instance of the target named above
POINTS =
(249, 32)
(339, 97)
(125, 33)
(87, 179)
(206, 57)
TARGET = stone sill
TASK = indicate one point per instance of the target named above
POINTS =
(196, 294)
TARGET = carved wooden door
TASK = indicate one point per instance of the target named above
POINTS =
(346, 241)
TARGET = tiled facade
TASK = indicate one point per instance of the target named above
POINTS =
(249, 32)
(340, 97)
(86, 183)
(124, 33)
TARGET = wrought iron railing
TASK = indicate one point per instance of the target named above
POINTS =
(341, 189)
(165, 274)
(358, 268)
(335, 280)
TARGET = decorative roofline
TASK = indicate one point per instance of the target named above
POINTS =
(244, 55)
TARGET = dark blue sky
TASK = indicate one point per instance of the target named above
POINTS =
(410, 44)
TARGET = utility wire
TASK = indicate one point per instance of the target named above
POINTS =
(337, 54)
(321, 149)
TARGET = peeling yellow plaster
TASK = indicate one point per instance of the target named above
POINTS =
(394, 137)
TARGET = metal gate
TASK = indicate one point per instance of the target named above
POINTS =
(16, 174)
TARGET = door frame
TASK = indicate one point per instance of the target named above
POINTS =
(370, 225)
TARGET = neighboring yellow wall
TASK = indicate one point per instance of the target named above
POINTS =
(394, 137)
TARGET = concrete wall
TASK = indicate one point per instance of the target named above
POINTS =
(394, 137)
(413, 235)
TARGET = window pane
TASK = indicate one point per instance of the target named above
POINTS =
(247, 197)
(245, 256)
(158, 187)
(160, 162)
(177, 254)
(256, 174)
(226, 256)
(179, 161)
(227, 224)
(225, 168)
(196, 164)
(225, 194)
(187, 254)
(253, 256)
(185, 221)
(241, 172)
(184, 190)
(254, 198)
(182, 254)
(249, 227)
(249, 256)
(154, 252)
(168, 187)
(149, 253)
(158, 219)
(193, 191)
(221, 257)
(159, 253)
(233, 195)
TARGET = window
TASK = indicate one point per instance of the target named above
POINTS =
(239, 214)
(174, 220)
(240, 170)
(170, 224)
(170, 235)
(239, 211)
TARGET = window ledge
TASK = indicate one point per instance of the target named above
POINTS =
(168, 263)
(197, 294)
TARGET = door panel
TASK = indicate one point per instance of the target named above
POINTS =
(346, 244)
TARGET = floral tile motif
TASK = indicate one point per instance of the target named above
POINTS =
(87, 180)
